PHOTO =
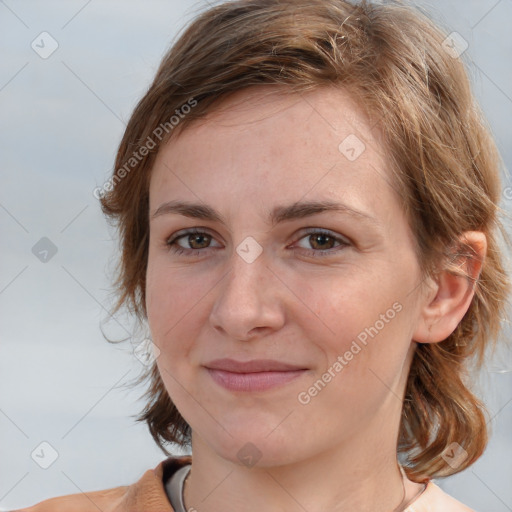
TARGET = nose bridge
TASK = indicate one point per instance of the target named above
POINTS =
(247, 299)
(245, 281)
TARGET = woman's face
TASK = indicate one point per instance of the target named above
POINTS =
(303, 266)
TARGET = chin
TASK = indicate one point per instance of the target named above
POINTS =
(251, 445)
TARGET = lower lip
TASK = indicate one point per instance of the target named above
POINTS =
(257, 381)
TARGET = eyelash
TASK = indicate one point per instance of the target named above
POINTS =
(176, 249)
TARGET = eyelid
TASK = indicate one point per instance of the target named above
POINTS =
(342, 240)
(189, 231)
(323, 231)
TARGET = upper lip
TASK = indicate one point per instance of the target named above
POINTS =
(253, 366)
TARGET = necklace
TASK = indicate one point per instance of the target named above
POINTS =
(400, 508)
(403, 506)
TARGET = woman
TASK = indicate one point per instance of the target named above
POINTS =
(307, 203)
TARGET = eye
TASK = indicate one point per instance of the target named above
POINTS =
(324, 242)
(196, 240)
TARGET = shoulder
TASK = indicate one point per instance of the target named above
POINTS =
(434, 499)
(147, 494)
(104, 500)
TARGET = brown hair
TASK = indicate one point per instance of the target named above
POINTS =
(391, 58)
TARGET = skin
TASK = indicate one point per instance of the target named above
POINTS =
(257, 150)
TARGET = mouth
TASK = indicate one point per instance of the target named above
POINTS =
(255, 375)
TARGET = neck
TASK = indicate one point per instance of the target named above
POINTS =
(350, 477)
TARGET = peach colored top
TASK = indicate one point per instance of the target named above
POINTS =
(148, 495)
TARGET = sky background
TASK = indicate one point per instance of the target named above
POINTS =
(61, 119)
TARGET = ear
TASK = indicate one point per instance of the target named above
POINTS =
(450, 294)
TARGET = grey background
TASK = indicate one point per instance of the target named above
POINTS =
(61, 120)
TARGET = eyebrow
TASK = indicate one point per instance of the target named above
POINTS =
(278, 215)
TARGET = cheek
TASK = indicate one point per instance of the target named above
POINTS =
(170, 305)
(175, 302)
(167, 301)
(362, 319)
(343, 307)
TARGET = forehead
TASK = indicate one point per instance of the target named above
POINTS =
(267, 107)
(262, 143)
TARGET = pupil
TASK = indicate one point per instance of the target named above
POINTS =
(320, 239)
(197, 239)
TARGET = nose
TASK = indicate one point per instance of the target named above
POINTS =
(249, 301)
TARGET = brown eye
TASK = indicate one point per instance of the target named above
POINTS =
(198, 241)
(193, 242)
(322, 243)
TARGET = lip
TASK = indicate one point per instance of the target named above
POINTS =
(253, 366)
(255, 375)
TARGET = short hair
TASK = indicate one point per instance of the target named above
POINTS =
(394, 62)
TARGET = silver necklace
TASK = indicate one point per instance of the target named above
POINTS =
(413, 499)
(400, 508)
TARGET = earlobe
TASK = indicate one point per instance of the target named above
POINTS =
(452, 290)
